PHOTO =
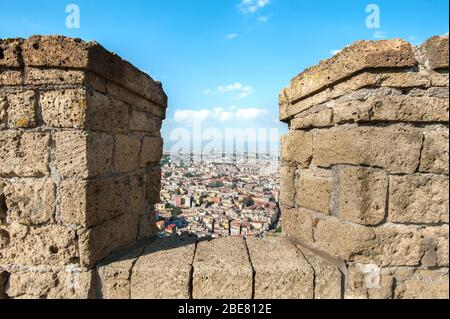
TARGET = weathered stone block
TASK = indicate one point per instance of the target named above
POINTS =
(164, 270)
(115, 274)
(32, 246)
(367, 146)
(281, 270)
(10, 77)
(101, 241)
(22, 109)
(92, 202)
(142, 122)
(83, 155)
(287, 185)
(137, 201)
(24, 154)
(328, 279)
(392, 108)
(10, 52)
(418, 199)
(435, 52)
(69, 284)
(152, 150)
(435, 152)
(64, 108)
(361, 195)
(126, 153)
(424, 284)
(322, 118)
(360, 56)
(30, 202)
(345, 240)
(222, 270)
(105, 114)
(367, 281)
(399, 245)
(38, 76)
(154, 186)
(298, 223)
(297, 147)
(314, 192)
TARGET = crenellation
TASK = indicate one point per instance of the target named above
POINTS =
(72, 190)
(382, 130)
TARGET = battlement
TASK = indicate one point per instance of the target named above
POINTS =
(80, 147)
(365, 166)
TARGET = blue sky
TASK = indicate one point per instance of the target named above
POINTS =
(225, 61)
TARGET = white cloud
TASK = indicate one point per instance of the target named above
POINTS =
(334, 52)
(251, 6)
(379, 34)
(249, 114)
(218, 114)
(263, 19)
(232, 36)
(191, 115)
(242, 90)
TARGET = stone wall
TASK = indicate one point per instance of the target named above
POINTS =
(80, 147)
(365, 166)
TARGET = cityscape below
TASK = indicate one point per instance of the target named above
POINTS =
(219, 195)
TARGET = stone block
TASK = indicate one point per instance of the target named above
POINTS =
(298, 223)
(105, 114)
(126, 153)
(297, 147)
(164, 270)
(287, 185)
(142, 122)
(154, 186)
(424, 284)
(435, 152)
(137, 202)
(314, 192)
(10, 53)
(51, 245)
(361, 195)
(83, 155)
(222, 270)
(64, 108)
(10, 77)
(328, 279)
(115, 274)
(30, 202)
(152, 150)
(418, 199)
(322, 118)
(356, 58)
(110, 237)
(24, 154)
(367, 146)
(22, 110)
(38, 76)
(69, 284)
(347, 241)
(435, 51)
(281, 270)
(93, 202)
(399, 245)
